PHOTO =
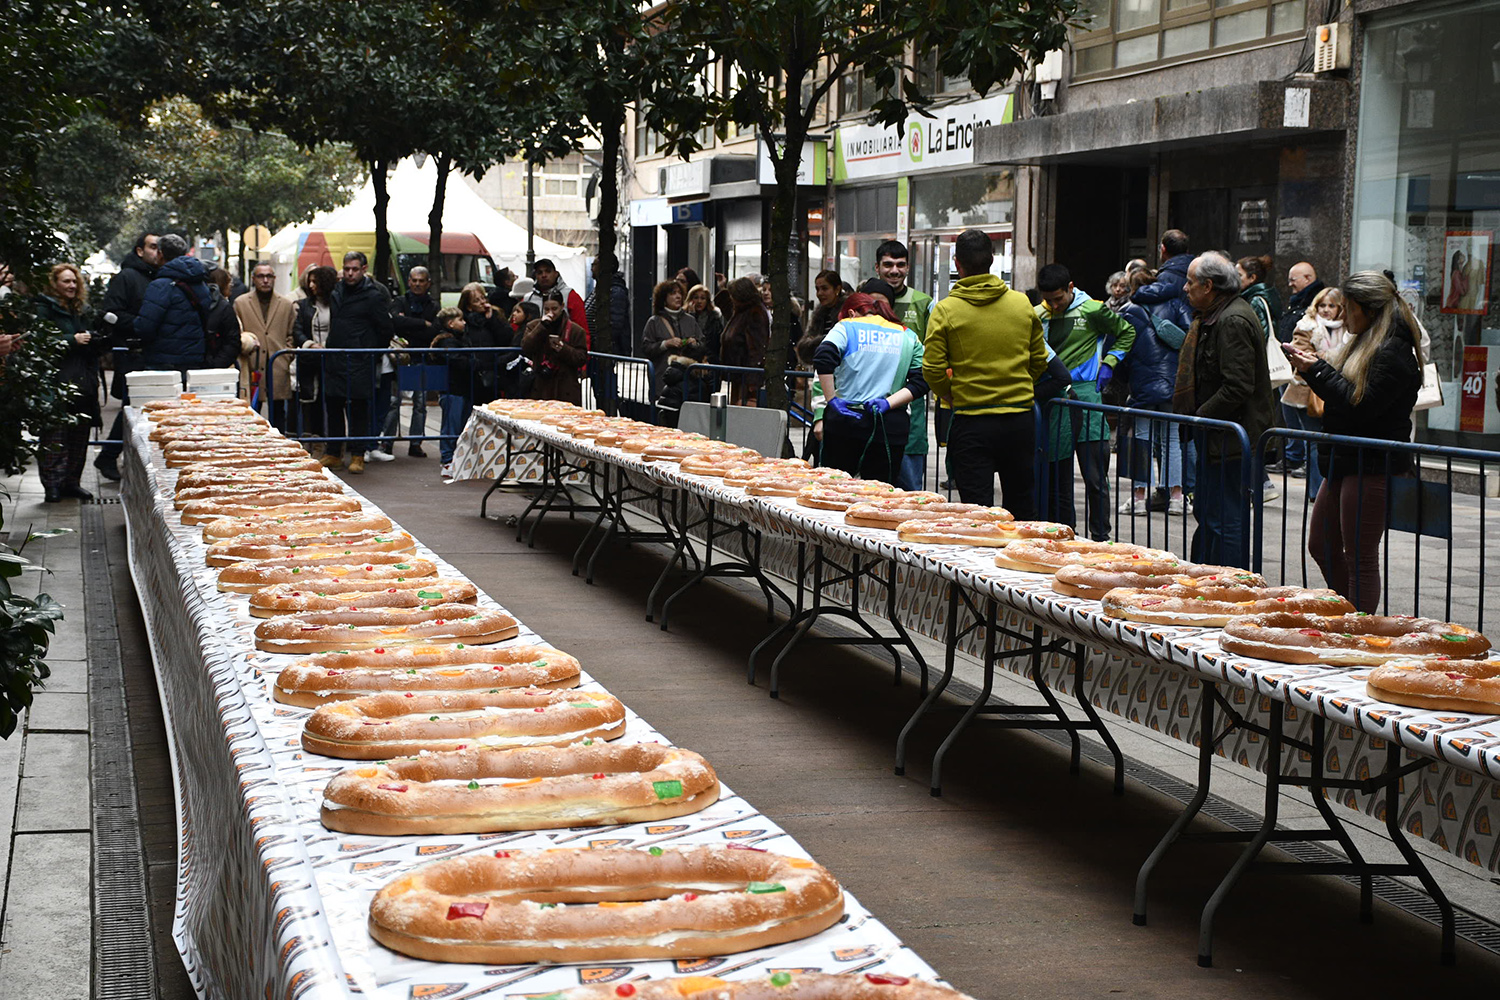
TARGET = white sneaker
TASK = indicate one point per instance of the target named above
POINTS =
(446, 471)
(1269, 493)
(1132, 505)
(376, 455)
(1176, 506)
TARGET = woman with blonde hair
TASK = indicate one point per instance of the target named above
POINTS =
(1368, 385)
(1321, 331)
(64, 447)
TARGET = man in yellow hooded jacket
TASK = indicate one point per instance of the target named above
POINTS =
(983, 355)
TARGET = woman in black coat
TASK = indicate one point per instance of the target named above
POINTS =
(309, 334)
(221, 326)
(1369, 387)
(64, 448)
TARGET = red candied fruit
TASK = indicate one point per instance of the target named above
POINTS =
(475, 910)
(502, 854)
(538, 709)
(886, 979)
(1310, 631)
(410, 695)
(382, 650)
(688, 897)
(393, 788)
(625, 990)
(1456, 677)
(599, 776)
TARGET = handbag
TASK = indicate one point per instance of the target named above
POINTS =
(1314, 405)
(1277, 365)
(1431, 394)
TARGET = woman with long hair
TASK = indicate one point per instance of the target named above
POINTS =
(1321, 331)
(744, 342)
(869, 370)
(671, 330)
(700, 306)
(65, 447)
(309, 335)
(485, 326)
(221, 327)
(559, 352)
(1369, 385)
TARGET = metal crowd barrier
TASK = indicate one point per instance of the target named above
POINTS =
(621, 386)
(1405, 514)
(746, 387)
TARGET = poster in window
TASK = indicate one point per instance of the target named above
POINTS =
(1466, 271)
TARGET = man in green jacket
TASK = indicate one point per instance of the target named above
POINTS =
(912, 307)
(1090, 340)
(982, 357)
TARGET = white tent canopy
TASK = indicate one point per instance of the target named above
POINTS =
(411, 188)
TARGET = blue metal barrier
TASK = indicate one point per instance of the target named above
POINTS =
(1226, 490)
(1408, 493)
(622, 386)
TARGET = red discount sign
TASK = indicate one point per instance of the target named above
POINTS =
(1472, 388)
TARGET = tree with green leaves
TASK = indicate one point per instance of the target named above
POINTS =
(791, 52)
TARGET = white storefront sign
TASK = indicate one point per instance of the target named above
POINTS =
(944, 140)
(686, 180)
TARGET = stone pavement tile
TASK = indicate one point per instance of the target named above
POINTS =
(57, 710)
(10, 778)
(70, 641)
(48, 920)
(62, 756)
(68, 676)
(47, 805)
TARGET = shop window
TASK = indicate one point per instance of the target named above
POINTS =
(1128, 34)
(963, 201)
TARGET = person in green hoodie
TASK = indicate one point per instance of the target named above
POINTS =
(1090, 340)
(982, 357)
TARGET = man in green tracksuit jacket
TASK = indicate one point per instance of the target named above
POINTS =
(982, 357)
(912, 309)
(1090, 340)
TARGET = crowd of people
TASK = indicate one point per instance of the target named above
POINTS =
(1197, 336)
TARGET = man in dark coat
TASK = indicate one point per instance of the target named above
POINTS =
(1164, 297)
(413, 316)
(122, 300)
(1222, 375)
(359, 316)
(1302, 279)
(171, 323)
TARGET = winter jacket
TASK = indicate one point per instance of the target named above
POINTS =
(711, 322)
(1392, 382)
(984, 349)
(263, 335)
(1296, 309)
(1231, 378)
(1317, 336)
(1259, 297)
(576, 311)
(123, 297)
(222, 345)
(619, 314)
(1153, 363)
(1087, 338)
(80, 362)
(170, 325)
(1166, 297)
(558, 369)
(663, 327)
(412, 318)
(359, 317)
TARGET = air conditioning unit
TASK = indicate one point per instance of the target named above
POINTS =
(1331, 47)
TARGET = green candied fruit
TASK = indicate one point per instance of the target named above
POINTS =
(781, 979)
(760, 888)
(473, 785)
(667, 789)
(582, 704)
(432, 718)
(655, 852)
(295, 571)
(458, 645)
(588, 743)
(430, 595)
(411, 671)
(403, 566)
(1454, 638)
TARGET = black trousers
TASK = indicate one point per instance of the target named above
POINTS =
(870, 448)
(982, 445)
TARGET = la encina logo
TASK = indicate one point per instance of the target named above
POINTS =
(914, 140)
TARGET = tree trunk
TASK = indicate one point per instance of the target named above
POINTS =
(444, 164)
(602, 335)
(381, 269)
(783, 218)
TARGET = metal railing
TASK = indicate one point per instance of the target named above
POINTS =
(621, 386)
(1401, 511)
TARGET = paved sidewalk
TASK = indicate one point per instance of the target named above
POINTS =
(46, 938)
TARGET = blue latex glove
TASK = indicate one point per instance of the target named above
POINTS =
(1105, 374)
(880, 405)
(841, 406)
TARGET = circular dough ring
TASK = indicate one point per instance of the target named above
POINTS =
(1093, 580)
(777, 986)
(1438, 684)
(200, 511)
(381, 726)
(329, 677)
(1202, 605)
(294, 598)
(1349, 640)
(788, 482)
(369, 628)
(676, 451)
(841, 495)
(284, 463)
(967, 531)
(522, 907)
(743, 474)
(261, 478)
(527, 788)
(891, 512)
(248, 577)
(1047, 556)
(354, 543)
(715, 463)
(210, 443)
(234, 527)
(317, 489)
(229, 456)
